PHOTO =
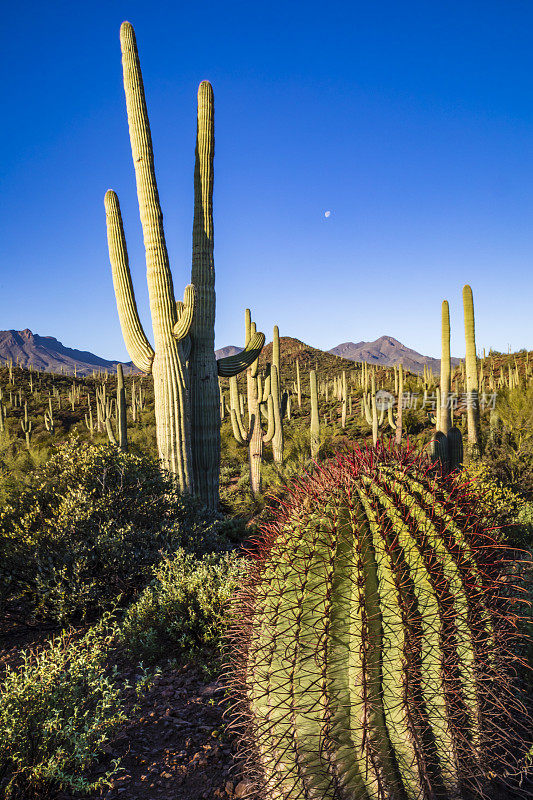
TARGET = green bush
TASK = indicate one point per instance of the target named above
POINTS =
(56, 712)
(185, 609)
(510, 455)
(86, 532)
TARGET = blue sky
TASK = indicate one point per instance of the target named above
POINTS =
(411, 122)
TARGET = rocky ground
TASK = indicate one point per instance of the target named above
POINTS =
(176, 746)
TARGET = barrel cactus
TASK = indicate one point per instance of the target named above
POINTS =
(374, 643)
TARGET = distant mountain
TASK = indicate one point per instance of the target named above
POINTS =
(230, 350)
(384, 352)
(387, 351)
(47, 353)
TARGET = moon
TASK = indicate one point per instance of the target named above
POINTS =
(327, 214)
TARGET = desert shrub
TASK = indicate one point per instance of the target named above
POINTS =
(56, 712)
(510, 456)
(84, 535)
(494, 497)
(497, 501)
(185, 609)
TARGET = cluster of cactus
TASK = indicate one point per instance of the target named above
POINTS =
(447, 443)
(373, 409)
(263, 397)
(446, 446)
(375, 641)
(182, 360)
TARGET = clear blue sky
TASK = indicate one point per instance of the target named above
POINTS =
(411, 122)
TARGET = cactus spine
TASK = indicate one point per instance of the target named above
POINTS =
(373, 651)
(472, 387)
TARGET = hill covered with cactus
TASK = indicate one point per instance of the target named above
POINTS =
(384, 352)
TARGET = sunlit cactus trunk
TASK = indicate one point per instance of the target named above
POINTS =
(399, 414)
(472, 385)
(443, 423)
(315, 421)
(277, 441)
(166, 359)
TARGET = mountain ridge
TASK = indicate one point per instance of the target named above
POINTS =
(48, 353)
(387, 351)
(384, 351)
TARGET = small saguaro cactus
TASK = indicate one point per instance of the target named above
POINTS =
(122, 421)
(252, 435)
(370, 410)
(374, 642)
(26, 425)
(49, 422)
(89, 423)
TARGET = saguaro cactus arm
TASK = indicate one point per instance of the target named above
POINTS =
(186, 312)
(137, 344)
(233, 365)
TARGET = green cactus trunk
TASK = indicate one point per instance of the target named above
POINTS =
(277, 440)
(203, 375)
(399, 413)
(472, 387)
(315, 420)
(445, 371)
(166, 359)
(122, 422)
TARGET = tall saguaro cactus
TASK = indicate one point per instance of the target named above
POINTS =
(203, 375)
(166, 359)
(182, 360)
(443, 423)
(472, 386)
(315, 422)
